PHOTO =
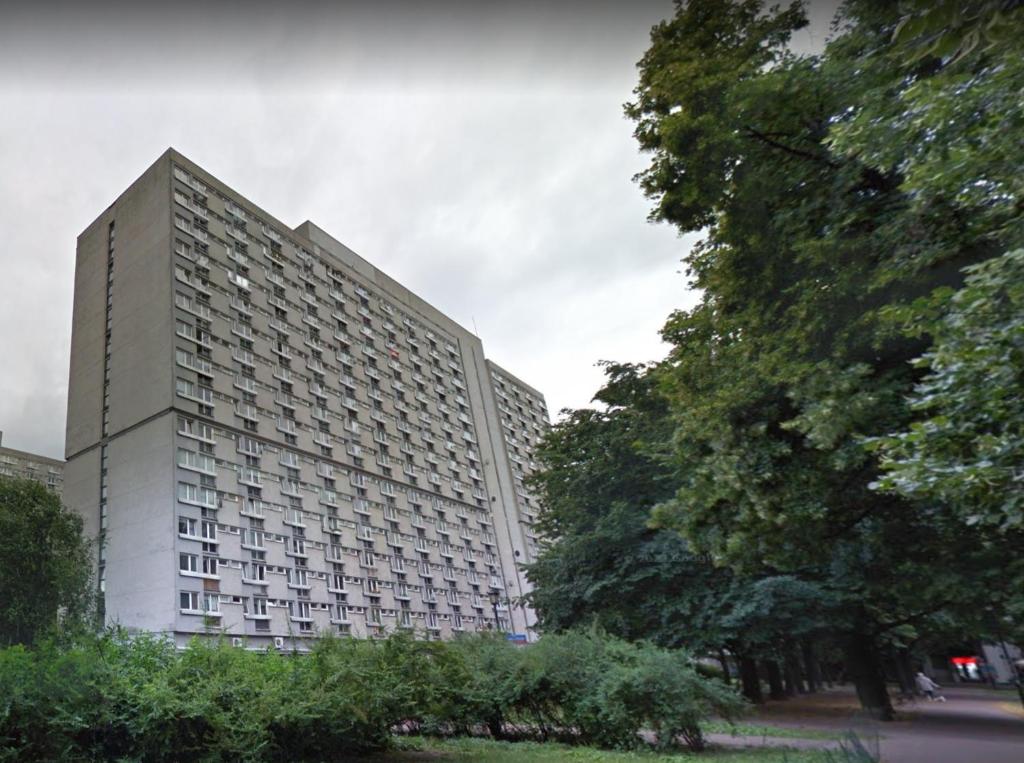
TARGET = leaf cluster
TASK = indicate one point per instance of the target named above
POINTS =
(136, 697)
(45, 564)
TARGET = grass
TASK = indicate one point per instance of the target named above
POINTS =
(758, 730)
(468, 750)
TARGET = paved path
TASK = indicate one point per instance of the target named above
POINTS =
(974, 725)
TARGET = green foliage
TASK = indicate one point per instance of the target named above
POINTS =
(44, 564)
(138, 698)
(603, 472)
(968, 447)
(949, 121)
(591, 689)
(949, 30)
(834, 191)
(686, 110)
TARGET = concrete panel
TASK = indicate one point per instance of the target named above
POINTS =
(141, 532)
(141, 338)
(82, 492)
(85, 395)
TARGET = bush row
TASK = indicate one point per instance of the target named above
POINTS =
(140, 699)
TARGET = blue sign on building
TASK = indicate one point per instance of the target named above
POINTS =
(519, 638)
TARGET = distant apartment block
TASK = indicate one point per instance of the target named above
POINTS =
(18, 463)
(270, 438)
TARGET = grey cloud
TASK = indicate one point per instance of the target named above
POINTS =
(478, 155)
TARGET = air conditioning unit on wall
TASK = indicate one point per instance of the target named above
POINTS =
(279, 642)
(236, 641)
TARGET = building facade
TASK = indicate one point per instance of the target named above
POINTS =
(18, 463)
(272, 439)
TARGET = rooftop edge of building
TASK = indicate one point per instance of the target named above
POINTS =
(33, 456)
(315, 236)
(512, 377)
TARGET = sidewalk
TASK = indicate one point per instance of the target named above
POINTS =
(975, 724)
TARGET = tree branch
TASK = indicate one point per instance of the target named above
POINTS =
(766, 138)
(882, 627)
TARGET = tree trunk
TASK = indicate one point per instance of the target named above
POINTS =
(775, 688)
(790, 679)
(865, 668)
(496, 726)
(811, 666)
(726, 676)
(904, 672)
(794, 677)
(750, 680)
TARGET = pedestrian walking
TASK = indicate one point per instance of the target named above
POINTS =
(928, 686)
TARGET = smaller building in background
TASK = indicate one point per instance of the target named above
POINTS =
(18, 463)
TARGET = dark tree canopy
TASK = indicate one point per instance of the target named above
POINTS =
(44, 563)
(834, 193)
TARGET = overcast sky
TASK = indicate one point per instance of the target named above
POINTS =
(477, 153)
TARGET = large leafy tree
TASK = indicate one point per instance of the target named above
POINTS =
(605, 470)
(45, 576)
(815, 229)
(967, 448)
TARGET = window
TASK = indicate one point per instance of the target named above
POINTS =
(249, 446)
(188, 562)
(255, 572)
(259, 606)
(189, 600)
(199, 462)
(252, 538)
(186, 526)
(196, 429)
(210, 565)
(199, 496)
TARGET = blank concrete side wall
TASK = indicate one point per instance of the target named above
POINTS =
(85, 395)
(141, 378)
(82, 492)
(506, 513)
(141, 564)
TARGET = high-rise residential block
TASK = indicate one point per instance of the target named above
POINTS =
(270, 438)
(18, 463)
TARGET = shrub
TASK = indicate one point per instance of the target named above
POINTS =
(139, 698)
(588, 688)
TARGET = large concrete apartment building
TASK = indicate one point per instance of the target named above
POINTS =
(30, 466)
(271, 439)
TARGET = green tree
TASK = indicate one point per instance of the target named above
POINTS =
(809, 182)
(44, 563)
(604, 471)
(967, 447)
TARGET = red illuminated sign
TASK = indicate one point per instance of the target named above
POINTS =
(965, 660)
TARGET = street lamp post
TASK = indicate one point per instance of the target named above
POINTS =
(495, 597)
